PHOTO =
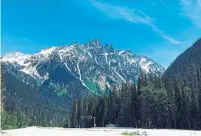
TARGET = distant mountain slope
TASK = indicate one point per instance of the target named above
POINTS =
(44, 84)
(79, 68)
(187, 66)
(26, 100)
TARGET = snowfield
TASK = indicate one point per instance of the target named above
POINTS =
(40, 131)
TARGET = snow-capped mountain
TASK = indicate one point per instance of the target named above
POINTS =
(91, 67)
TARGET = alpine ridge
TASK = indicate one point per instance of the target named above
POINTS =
(90, 66)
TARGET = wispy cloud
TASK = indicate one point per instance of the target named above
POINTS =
(192, 10)
(131, 15)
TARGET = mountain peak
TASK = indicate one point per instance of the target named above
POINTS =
(80, 60)
(48, 50)
(14, 54)
(109, 48)
(16, 57)
(95, 42)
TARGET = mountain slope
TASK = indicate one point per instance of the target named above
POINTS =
(90, 67)
(44, 85)
(187, 66)
(21, 99)
(183, 82)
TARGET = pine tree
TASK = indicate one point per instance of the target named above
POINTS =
(2, 90)
(105, 111)
(79, 108)
(133, 106)
(67, 122)
(73, 120)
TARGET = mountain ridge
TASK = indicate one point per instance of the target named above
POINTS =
(108, 63)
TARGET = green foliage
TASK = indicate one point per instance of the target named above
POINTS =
(62, 92)
(39, 83)
(54, 86)
(7, 121)
(152, 103)
(73, 119)
(67, 122)
(129, 133)
(24, 106)
(2, 89)
(22, 119)
(173, 101)
(14, 120)
(90, 85)
(94, 87)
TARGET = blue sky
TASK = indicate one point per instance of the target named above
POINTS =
(158, 29)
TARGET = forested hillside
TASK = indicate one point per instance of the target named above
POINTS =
(186, 72)
(149, 104)
(170, 101)
(173, 101)
(41, 86)
(187, 66)
(23, 105)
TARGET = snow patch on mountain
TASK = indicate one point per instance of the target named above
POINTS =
(78, 68)
(145, 65)
(16, 57)
(85, 61)
(120, 76)
(48, 51)
(31, 71)
(121, 52)
(131, 61)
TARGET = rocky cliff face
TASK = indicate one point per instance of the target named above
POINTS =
(78, 68)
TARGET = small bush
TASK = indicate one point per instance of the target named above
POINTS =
(129, 133)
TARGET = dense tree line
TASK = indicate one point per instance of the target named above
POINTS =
(151, 103)
(171, 101)
(183, 81)
(22, 106)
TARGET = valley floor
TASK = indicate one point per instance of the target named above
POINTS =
(40, 131)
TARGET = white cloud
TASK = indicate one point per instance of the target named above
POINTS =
(118, 12)
(162, 34)
(130, 15)
(192, 10)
